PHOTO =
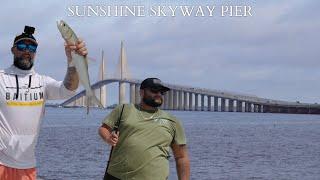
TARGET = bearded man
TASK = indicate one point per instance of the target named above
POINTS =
(146, 134)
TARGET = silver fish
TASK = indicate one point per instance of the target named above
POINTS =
(80, 62)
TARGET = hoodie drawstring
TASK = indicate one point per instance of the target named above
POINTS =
(29, 81)
(17, 84)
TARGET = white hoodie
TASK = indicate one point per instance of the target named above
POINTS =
(22, 100)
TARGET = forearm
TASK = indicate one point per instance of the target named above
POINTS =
(71, 80)
(105, 133)
(183, 168)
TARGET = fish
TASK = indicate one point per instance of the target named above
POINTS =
(80, 62)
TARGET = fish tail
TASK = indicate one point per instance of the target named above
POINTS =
(94, 100)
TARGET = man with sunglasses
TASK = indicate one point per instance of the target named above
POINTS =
(146, 133)
(23, 93)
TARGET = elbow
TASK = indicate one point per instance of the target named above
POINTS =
(104, 133)
(100, 132)
(183, 160)
(70, 87)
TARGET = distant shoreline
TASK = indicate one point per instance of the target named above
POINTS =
(58, 106)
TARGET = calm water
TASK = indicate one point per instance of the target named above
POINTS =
(221, 145)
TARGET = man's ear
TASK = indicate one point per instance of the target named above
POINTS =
(12, 50)
(141, 92)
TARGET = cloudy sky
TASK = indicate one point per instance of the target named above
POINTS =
(272, 54)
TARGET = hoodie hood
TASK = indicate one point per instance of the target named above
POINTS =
(16, 71)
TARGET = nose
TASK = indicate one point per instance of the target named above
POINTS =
(27, 50)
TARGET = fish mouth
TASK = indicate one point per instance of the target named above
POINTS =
(60, 24)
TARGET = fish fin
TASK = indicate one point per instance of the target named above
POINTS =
(74, 55)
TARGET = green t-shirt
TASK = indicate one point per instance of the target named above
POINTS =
(142, 151)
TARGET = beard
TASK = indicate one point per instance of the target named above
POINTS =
(152, 102)
(24, 63)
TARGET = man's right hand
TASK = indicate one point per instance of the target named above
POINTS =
(109, 136)
(113, 139)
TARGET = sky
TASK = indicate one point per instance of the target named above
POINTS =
(271, 53)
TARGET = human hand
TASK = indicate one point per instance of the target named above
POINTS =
(113, 138)
(79, 47)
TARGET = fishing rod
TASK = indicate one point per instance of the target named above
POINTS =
(115, 130)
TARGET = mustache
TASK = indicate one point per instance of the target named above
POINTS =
(28, 57)
(26, 54)
(23, 57)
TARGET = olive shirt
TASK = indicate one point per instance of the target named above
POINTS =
(142, 151)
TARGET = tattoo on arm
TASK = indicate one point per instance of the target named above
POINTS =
(71, 80)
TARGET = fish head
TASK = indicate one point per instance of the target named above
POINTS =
(65, 30)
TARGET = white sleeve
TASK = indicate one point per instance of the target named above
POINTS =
(56, 89)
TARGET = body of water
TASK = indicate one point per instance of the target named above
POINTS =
(221, 145)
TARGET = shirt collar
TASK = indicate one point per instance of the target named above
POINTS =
(14, 70)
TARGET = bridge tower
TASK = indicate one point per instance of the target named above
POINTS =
(103, 90)
(123, 72)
